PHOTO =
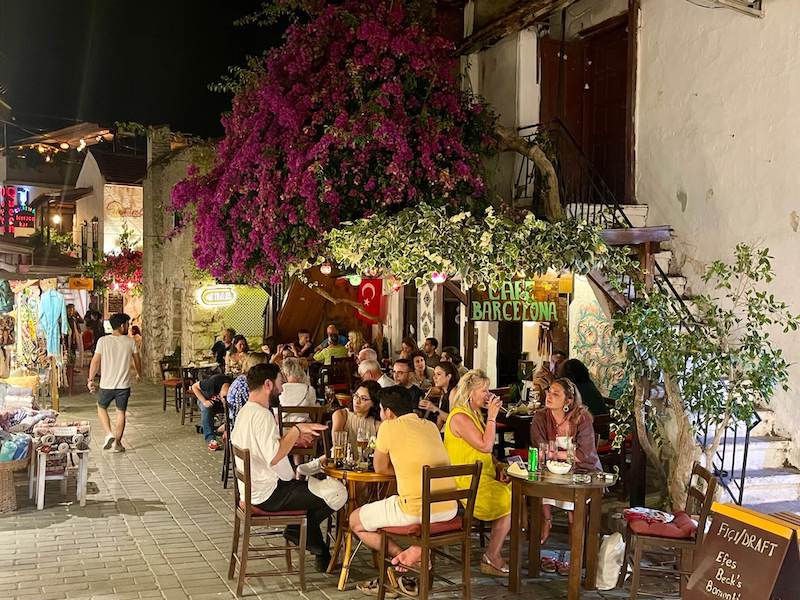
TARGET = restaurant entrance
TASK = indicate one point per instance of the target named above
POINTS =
(509, 351)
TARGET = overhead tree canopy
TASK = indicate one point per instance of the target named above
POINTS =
(360, 110)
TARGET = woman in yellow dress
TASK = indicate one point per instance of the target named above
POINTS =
(468, 438)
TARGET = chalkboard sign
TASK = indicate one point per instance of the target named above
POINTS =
(741, 556)
(116, 303)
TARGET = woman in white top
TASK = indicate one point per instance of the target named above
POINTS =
(422, 375)
(296, 391)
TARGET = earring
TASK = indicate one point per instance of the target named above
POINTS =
(566, 408)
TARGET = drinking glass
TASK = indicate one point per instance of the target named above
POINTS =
(570, 452)
(339, 445)
(543, 449)
(552, 450)
(362, 440)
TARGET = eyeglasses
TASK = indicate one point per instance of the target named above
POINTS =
(362, 398)
(396, 372)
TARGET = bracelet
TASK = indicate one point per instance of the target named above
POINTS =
(299, 431)
(491, 421)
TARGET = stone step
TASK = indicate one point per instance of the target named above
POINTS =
(664, 259)
(767, 424)
(771, 485)
(765, 452)
(791, 506)
(636, 213)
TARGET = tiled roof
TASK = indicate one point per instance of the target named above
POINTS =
(121, 168)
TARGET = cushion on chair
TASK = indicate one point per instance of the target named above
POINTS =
(442, 527)
(682, 527)
(257, 512)
(171, 382)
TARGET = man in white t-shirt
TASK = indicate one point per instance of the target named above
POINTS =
(112, 357)
(273, 486)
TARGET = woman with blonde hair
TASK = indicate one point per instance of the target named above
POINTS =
(469, 438)
(355, 342)
(297, 390)
(564, 423)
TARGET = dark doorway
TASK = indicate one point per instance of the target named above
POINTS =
(585, 84)
(509, 350)
(410, 301)
(451, 328)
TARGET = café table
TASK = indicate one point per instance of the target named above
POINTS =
(528, 491)
(353, 480)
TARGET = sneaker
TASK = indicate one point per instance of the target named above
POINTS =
(311, 467)
(118, 447)
(109, 442)
(213, 445)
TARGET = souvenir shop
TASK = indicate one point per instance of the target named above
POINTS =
(41, 346)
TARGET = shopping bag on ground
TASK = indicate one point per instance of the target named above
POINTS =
(609, 561)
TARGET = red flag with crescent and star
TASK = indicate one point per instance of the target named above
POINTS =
(370, 294)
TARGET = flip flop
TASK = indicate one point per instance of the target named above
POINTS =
(371, 588)
(548, 565)
(406, 585)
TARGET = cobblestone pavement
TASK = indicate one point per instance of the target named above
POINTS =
(157, 524)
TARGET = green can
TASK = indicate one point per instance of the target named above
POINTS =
(533, 459)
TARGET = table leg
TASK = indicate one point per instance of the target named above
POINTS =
(577, 533)
(41, 473)
(337, 544)
(32, 473)
(348, 550)
(534, 536)
(593, 539)
(517, 499)
(83, 476)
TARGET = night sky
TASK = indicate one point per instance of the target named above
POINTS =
(146, 61)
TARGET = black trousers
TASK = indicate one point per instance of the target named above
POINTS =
(295, 495)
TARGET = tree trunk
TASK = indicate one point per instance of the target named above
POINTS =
(510, 141)
(684, 447)
(642, 389)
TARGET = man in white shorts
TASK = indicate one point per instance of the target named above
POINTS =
(404, 445)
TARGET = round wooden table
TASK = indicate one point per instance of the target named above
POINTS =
(371, 481)
(530, 490)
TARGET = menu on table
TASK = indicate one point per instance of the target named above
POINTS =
(745, 555)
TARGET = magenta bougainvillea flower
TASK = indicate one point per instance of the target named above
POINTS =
(359, 110)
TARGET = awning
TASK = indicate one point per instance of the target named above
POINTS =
(63, 196)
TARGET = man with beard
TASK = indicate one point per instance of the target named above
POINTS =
(273, 486)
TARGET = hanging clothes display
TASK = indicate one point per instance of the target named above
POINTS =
(53, 320)
(28, 354)
(6, 297)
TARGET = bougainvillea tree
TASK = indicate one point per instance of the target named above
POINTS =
(360, 110)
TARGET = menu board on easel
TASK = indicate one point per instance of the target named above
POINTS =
(116, 303)
(744, 556)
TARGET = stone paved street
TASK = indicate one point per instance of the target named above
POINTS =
(157, 524)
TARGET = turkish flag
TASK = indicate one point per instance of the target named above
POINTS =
(370, 294)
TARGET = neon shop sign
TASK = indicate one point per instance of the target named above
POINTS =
(15, 196)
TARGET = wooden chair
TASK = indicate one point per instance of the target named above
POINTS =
(247, 516)
(698, 502)
(227, 451)
(432, 536)
(312, 414)
(170, 380)
(188, 399)
(338, 375)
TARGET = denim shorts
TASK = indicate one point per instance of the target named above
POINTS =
(119, 396)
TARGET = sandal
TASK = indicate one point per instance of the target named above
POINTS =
(487, 568)
(406, 585)
(547, 565)
(371, 588)
(562, 568)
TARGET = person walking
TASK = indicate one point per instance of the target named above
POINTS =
(112, 357)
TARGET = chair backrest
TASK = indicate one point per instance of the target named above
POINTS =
(338, 375)
(314, 414)
(429, 497)
(168, 366)
(700, 497)
(244, 476)
(188, 377)
(226, 419)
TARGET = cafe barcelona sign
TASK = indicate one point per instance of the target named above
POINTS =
(519, 300)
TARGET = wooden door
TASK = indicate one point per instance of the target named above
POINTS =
(605, 114)
(566, 103)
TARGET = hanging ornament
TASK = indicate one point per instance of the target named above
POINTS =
(355, 280)
(326, 268)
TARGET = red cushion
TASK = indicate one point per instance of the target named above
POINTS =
(605, 448)
(521, 452)
(281, 513)
(441, 527)
(682, 527)
(171, 382)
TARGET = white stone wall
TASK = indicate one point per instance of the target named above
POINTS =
(718, 146)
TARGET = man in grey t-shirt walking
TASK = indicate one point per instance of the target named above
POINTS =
(112, 357)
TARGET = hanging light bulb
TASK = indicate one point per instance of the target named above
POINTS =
(81, 145)
(437, 277)
(355, 280)
(326, 268)
(64, 146)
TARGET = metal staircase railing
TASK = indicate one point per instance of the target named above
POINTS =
(586, 196)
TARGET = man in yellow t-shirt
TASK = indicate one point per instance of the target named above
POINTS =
(332, 350)
(404, 445)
